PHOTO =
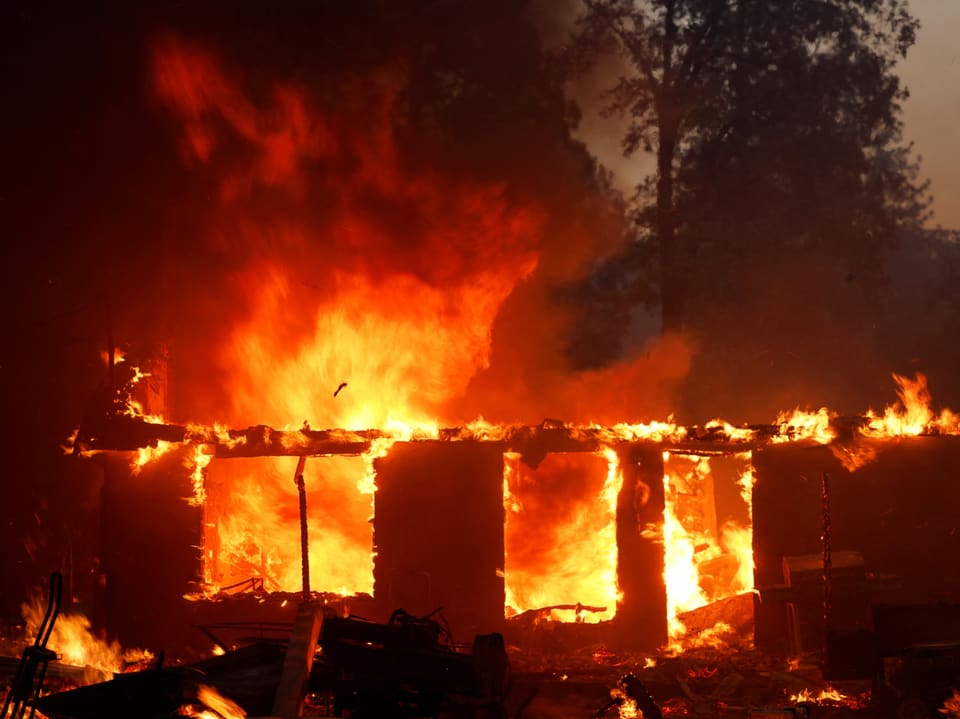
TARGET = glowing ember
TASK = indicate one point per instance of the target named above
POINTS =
(951, 705)
(826, 696)
(627, 707)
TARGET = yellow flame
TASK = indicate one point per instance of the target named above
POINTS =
(145, 455)
(483, 431)
(715, 637)
(827, 695)
(198, 465)
(653, 432)
(221, 706)
(691, 542)
(799, 425)
(571, 563)
(73, 640)
(951, 705)
(911, 415)
(734, 434)
(512, 507)
(379, 448)
(627, 707)
(118, 356)
(853, 457)
(608, 534)
(252, 528)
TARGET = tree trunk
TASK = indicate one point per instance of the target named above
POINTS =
(673, 291)
(673, 282)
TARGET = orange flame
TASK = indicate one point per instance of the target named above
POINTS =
(145, 455)
(912, 414)
(693, 542)
(799, 425)
(951, 705)
(253, 524)
(572, 560)
(398, 312)
(394, 308)
(220, 706)
(75, 643)
(826, 696)
(200, 462)
(626, 706)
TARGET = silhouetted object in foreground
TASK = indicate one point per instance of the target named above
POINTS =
(28, 681)
(634, 690)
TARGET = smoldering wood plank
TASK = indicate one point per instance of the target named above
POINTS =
(298, 661)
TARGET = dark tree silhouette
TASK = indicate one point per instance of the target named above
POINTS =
(756, 110)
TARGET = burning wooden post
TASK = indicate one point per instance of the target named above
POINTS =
(298, 661)
(304, 534)
(642, 615)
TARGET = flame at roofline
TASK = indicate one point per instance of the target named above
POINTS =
(910, 416)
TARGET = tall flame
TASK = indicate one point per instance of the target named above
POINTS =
(560, 535)
(951, 705)
(375, 312)
(705, 560)
(912, 414)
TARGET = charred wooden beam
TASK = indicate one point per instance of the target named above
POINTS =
(298, 661)
(642, 615)
(124, 433)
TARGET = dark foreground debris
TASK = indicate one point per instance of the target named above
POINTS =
(408, 668)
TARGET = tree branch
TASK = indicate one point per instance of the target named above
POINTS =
(602, 10)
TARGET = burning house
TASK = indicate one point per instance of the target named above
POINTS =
(386, 356)
(637, 536)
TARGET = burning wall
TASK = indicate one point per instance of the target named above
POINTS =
(485, 520)
(896, 513)
(479, 527)
(331, 254)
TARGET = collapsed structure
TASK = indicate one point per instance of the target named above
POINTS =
(842, 516)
